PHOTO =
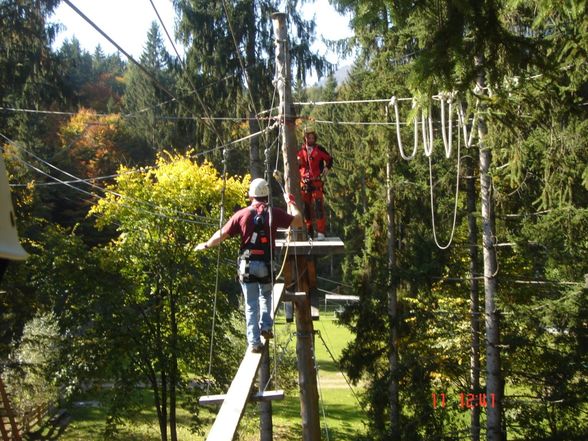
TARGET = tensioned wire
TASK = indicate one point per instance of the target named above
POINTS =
(195, 155)
(139, 65)
(105, 190)
(218, 258)
(94, 195)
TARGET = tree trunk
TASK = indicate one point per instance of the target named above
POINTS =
(493, 374)
(162, 363)
(163, 420)
(392, 307)
(156, 398)
(173, 368)
(474, 298)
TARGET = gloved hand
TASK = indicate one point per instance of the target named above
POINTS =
(289, 198)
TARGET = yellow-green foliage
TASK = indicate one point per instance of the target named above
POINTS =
(177, 191)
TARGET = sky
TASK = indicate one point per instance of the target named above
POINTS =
(127, 23)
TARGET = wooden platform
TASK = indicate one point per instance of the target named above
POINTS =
(227, 420)
(331, 245)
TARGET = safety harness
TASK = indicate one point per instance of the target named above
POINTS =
(259, 246)
(311, 184)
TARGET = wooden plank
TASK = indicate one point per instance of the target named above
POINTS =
(340, 297)
(331, 245)
(268, 395)
(293, 296)
(227, 420)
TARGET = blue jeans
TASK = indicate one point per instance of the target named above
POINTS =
(258, 301)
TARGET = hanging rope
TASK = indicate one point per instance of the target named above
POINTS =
(322, 402)
(268, 175)
(278, 360)
(394, 103)
(218, 258)
(462, 120)
(447, 138)
(444, 247)
(427, 137)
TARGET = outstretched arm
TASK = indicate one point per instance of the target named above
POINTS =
(214, 240)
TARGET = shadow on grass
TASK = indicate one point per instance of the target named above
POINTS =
(328, 366)
(49, 430)
(343, 421)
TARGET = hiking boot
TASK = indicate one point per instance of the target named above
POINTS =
(256, 348)
(267, 334)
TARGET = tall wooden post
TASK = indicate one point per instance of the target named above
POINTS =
(265, 407)
(286, 112)
(299, 276)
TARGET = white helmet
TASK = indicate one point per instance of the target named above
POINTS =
(258, 188)
(9, 245)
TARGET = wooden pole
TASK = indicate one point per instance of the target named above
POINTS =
(265, 407)
(286, 112)
(299, 275)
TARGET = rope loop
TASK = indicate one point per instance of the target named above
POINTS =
(447, 138)
(444, 247)
(427, 137)
(394, 103)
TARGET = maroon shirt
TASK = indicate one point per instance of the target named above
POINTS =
(241, 223)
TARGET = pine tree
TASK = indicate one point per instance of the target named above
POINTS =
(231, 60)
(143, 97)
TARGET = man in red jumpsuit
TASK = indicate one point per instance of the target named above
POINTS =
(313, 162)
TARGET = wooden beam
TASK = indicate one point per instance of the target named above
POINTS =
(334, 296)
(331, 245)
(227, 420)
(293, 296)
(268, 395)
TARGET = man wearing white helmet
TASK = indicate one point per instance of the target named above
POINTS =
(257, 226)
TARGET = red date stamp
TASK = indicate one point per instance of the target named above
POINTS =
(466, 400)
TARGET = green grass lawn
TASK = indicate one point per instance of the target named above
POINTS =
(343, 417)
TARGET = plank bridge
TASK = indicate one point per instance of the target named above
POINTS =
(299, 287)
